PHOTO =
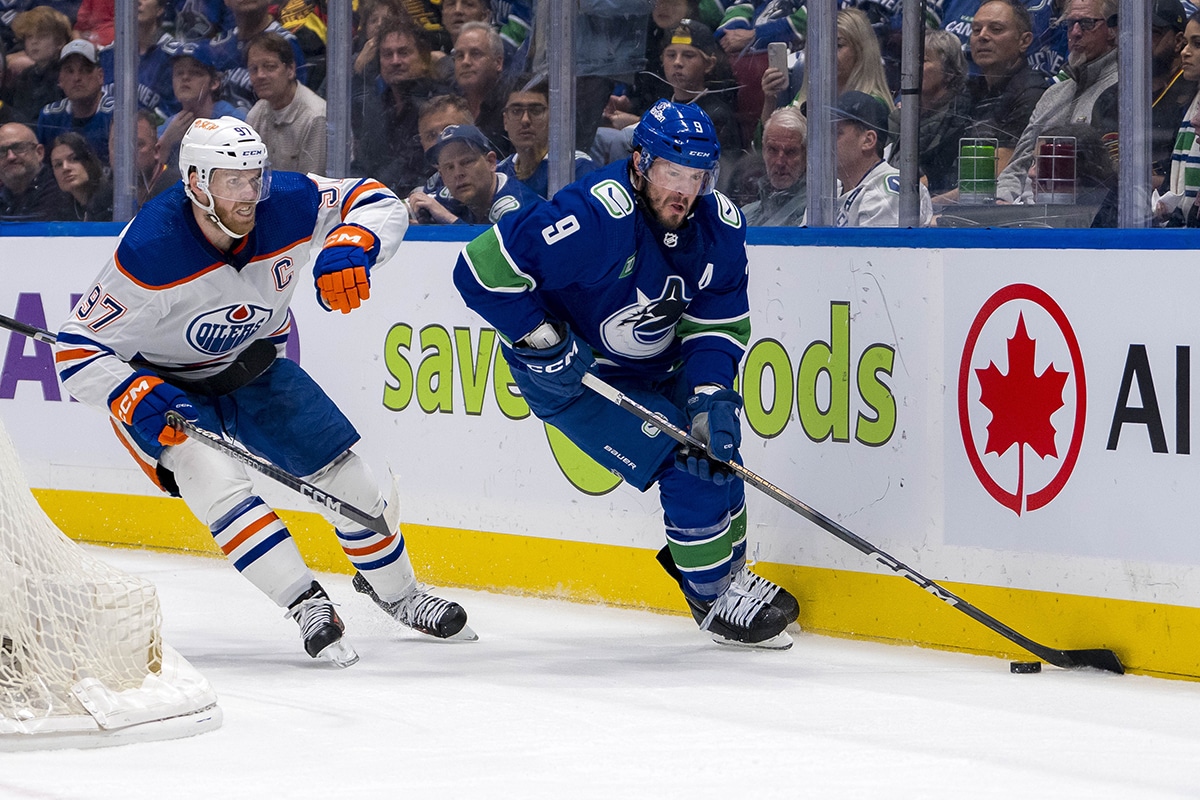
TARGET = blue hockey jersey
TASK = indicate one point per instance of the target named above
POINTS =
(648, 300)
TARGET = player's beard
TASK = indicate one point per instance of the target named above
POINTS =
(239, 217)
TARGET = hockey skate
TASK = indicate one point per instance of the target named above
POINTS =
(739, 618)
(757, 585)
(423, 612)
(321, 627)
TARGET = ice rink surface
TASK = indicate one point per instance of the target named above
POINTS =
(558, 700)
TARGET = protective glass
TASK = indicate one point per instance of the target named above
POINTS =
(241, 185)
(685, 180)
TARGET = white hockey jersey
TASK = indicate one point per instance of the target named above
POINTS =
(169, 301)
(875, 201)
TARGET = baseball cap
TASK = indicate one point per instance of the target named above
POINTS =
(691, 32)
(1168, 14)
(79, 47)
(200, 51)
(459, 133)
(863, 109)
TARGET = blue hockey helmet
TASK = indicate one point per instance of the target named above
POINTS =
(683, 135)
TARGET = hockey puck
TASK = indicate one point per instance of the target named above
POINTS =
(1025, 667)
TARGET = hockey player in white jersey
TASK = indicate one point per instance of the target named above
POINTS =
(191, 315)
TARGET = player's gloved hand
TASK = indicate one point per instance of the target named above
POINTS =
(142, 402)
(703, 466)
(343, 268)
(556, 359)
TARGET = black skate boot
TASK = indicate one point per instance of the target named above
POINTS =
(739, 618)
(321, 627)
(422, 612)
(756, 585)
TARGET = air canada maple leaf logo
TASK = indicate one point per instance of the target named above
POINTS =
(1028, 410)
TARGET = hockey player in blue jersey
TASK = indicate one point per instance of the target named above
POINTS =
(191, 315)
(638, 272)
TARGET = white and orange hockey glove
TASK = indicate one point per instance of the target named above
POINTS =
(343, 268)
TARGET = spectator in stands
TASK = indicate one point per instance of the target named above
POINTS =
(387, 145)
(944, 116)
(28, 192)
(456, 13)
(1047, 50)
(859, 66)
(288, 116)
(610, 47)
(1005, 92)
(783, 189)
(1175, 202)
(252, 17)
(441, 110)
(372, 13)
(44, 32)
(1170, 89)
(305, 20)
(688, 59)
(1087, 95)
(870, 186)
(466, 162)
(199, 20)
(95, 22)
(154, 90)
(435, 116)
(151, 176)
(479, 77)
(79, 173)
(527, 122)
(197, 85)
(85, 109)
(6, 110)
(744, 34)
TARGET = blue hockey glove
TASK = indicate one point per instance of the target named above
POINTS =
(559, 368)
(702, 465)
(141, 403)
(343, 268)
(714, 416)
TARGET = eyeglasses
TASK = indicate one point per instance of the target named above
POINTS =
(20, 148)
(1086, 24)
(535, 112)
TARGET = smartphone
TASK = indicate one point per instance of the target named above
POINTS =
(777, 56)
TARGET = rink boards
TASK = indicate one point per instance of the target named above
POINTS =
(1013, 422)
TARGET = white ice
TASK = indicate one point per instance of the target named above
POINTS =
(559, 700)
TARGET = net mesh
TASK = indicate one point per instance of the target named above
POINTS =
(64, 615)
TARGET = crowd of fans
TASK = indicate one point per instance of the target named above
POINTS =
(450, 100)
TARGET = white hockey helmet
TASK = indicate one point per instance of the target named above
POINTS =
(224, 143)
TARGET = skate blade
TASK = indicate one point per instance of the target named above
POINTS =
(340, 654)
(780, 641)
(465, 635)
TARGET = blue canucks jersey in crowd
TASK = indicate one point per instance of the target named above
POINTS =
(155, 92)
(56, 118)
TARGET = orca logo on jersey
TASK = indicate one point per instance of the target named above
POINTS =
(218, 332)
(647, 328)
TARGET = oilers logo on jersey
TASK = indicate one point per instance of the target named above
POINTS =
(218, 332)
(647, 328)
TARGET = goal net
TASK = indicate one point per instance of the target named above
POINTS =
(82, 661)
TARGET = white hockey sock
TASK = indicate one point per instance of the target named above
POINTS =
(260, 547)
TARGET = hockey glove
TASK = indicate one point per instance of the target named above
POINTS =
(141, 403)
(713, 412)
(557, 368)
(343, 268)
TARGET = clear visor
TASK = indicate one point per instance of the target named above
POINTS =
(685, 180)
(241, 185)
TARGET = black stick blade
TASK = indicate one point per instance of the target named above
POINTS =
(1077, 659)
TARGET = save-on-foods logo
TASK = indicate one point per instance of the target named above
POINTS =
(1022, 397)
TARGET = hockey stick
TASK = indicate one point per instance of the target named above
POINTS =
(1067, 659)
(372, 522)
